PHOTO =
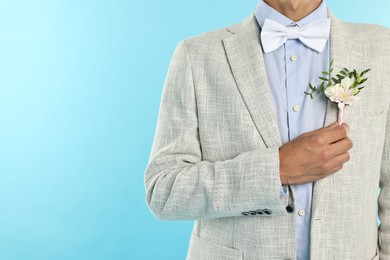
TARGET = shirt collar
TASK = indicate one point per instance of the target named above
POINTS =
(264, 11)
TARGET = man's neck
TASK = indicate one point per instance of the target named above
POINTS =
(294, 9)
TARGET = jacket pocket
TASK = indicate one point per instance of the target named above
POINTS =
(202, 249)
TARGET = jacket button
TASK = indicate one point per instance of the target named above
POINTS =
(267, 211)
(290, 208)
(259, 212)
(244, 213)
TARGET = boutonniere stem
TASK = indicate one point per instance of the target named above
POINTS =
(341, 89)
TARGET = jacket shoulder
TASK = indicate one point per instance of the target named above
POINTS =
(212, 40)
(211, 37)
(377, 36)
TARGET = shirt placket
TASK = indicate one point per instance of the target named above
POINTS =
(295, 100)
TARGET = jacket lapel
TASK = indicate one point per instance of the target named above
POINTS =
(245, 57)
(345, 52)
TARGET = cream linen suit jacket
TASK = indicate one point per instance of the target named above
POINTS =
(215, 151)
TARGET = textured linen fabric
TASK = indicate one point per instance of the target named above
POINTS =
(215, 151)
(288, 80)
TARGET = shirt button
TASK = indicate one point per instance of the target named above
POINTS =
(301, 212)
(294, 58)
(296, 108)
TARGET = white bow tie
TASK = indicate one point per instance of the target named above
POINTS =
(314, 35)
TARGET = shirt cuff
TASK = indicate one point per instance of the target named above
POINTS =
(283, 190)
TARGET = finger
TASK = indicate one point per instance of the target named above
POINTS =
(337, 133)
(347, 126)
(331, 125)
(338, 160)
(336, 169)
(327, 128)
(340, 147)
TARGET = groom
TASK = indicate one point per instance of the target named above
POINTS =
(261, 167)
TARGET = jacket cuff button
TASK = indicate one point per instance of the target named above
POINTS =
(259, 212)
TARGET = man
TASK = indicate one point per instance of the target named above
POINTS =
(263, 169)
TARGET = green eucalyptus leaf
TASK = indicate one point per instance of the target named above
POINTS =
(336, 81)
(322, 86)
(362, 81)
(364, 72)
(312, 87)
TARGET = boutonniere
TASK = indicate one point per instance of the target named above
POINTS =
(341, 89)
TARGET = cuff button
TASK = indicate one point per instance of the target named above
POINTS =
(259, 212)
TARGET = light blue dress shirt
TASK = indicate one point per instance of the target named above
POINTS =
(290, 69)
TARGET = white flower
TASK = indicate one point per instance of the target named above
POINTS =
(342, 92)
(345, 89)
(346, 96)
(347, 83)
(331, 90)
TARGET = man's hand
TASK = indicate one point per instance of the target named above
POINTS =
(314, 155)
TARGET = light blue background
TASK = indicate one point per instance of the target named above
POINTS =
(80, 87)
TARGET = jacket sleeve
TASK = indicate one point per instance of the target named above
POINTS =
(384, 197)
(180, 185)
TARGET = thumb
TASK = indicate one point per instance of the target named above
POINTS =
(332, 125)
